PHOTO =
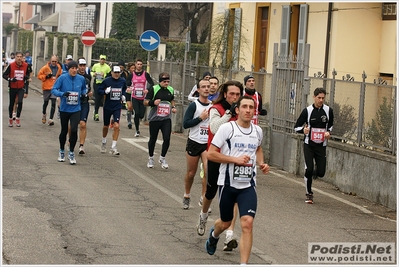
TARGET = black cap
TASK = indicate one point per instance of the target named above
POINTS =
(246, 78)
(121, 63)
(72, 63)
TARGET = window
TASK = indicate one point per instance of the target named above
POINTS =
(293, 30)
(389, 11)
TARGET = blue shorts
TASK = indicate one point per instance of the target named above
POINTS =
(84, 111)
(246, 199)
(116, 114)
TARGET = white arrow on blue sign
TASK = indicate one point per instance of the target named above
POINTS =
(150, 40)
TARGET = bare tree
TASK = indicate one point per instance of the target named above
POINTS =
(198, 13)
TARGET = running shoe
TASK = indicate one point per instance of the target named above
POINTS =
(200, 204)
(18, 122)
(44, 119)
(114, 151)
(14, 115)
(137, 134)
(201, 225)
(50, 122)
(130, 126)
(10, 122)
(150, 163)
(230, 243)
(81, 150)
(61, 156)
(186, 203)
(96, 117)
(71, 157)
(309, 198)
(103, 148)
(211, 243)
(164, 164)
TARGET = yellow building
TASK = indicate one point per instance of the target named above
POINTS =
(350, 37)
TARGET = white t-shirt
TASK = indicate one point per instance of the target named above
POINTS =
(236, 141)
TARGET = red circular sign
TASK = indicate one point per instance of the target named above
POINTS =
(88, 38)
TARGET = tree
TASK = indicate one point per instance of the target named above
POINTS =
(380, 129)
(7, 27)
(124, 22)
(198, 13)
(345, 122)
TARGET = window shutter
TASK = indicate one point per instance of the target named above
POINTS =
(302, 30)
(236, 38)
(285, 30)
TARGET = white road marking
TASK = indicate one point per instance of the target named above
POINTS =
(325, 193)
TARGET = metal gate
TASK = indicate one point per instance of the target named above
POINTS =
(290, 88)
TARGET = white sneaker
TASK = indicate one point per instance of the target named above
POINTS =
(164, 164)
(201, 225)
(150, 163)
(137, 134)
(81, 150)
(71, 157)
(103, 148)
(61, 156)
(230, 243)
(114, 151)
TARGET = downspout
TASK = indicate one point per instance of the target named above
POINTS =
(328, 35)
(106, 18)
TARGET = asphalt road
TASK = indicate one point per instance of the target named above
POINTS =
(114, 210)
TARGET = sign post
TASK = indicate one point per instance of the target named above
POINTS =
(150, 40)
(88, 38)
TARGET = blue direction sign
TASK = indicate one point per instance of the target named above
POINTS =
(150, 40)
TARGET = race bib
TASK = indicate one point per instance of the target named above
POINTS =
(203, 133)
(243, 173)
(317, 135)
(115, 94)
(138, 92)
(99, 77)
(163, 109)
(72, 99)
(19, 75)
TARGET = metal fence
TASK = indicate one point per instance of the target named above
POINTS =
(364, 113)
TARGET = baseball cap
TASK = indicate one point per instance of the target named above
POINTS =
(103, 56)
(82, 61)
(121, 63)
(69, 57)
(116, 69)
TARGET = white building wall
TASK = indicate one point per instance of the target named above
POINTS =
(66, 12)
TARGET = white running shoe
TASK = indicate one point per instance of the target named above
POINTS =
(61, 156)
(201, 225)
(164, 164)
(150, 163)
(71, 157)
(114, 151)
(230, 243)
